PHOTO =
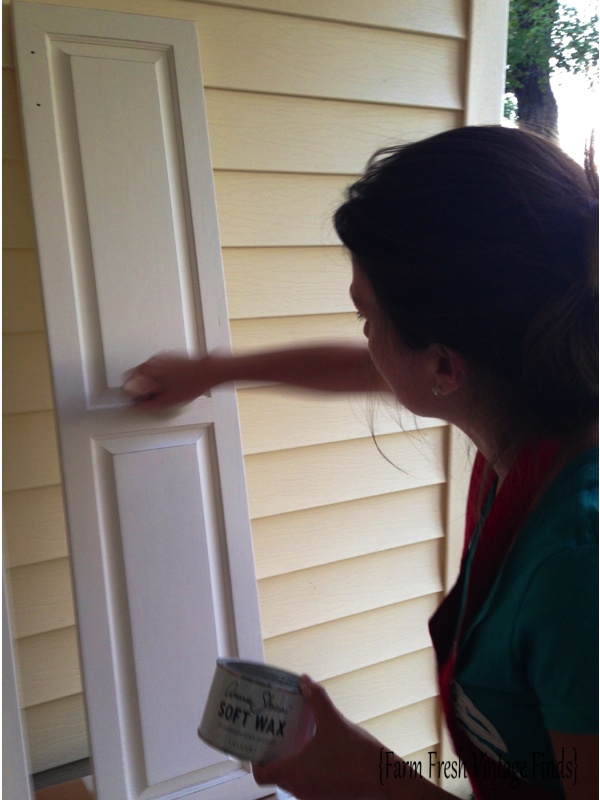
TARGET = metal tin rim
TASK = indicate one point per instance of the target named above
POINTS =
(270, 677)
(231, 751)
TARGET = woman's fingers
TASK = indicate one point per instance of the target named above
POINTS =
(165, 380)
(325, 713)
(275, 773)
(139, 387)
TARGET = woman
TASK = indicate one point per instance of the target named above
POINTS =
(474, 258)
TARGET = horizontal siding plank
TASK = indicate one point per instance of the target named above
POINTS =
(18, 230)
(277, 209)
(351, 643)
(312, 596)
(26, 372)
(57, 733)
(442, 17)
(41, 597)
(30, 451)
(8, 59)
(435, 16)
(34, 526)
(21, 287)
(277, 418)
(278, 133)
(408, 729)
(282, 281)
(290, 55)
(49, 666)
(258, 334)
(384, 687)
(304, 539)
(12, 137)
(307, 477)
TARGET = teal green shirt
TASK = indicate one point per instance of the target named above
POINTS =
(529, 663)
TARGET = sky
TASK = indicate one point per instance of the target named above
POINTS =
(578, 113)
(578, 104)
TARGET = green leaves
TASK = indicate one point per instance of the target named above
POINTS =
(545, 36)
(575, 43)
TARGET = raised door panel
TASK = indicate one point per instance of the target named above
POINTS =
(122, 109)
(156, 505)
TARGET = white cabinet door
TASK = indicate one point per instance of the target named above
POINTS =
(158, 523)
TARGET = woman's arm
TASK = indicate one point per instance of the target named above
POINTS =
(167, 379)
(344, 762)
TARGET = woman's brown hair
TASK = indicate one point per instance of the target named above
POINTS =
(484, 239)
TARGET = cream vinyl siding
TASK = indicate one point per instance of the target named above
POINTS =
(351, 551)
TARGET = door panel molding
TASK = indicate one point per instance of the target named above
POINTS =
(157, 513)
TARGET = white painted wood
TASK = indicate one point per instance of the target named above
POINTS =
(134, 225)
(486, 61)
(168, 570)
(157, 515)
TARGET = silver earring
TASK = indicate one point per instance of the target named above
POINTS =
(437, 390)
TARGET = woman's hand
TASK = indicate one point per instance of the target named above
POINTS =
(169, 380)
(340, 761)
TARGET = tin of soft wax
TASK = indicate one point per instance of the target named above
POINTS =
(255, 712)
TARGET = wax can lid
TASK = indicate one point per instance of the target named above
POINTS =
(269, 676)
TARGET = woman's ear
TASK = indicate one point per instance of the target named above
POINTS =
(449, 369)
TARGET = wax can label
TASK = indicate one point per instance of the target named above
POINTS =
(255, 712)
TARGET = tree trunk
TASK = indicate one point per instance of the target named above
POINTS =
(537, 109)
